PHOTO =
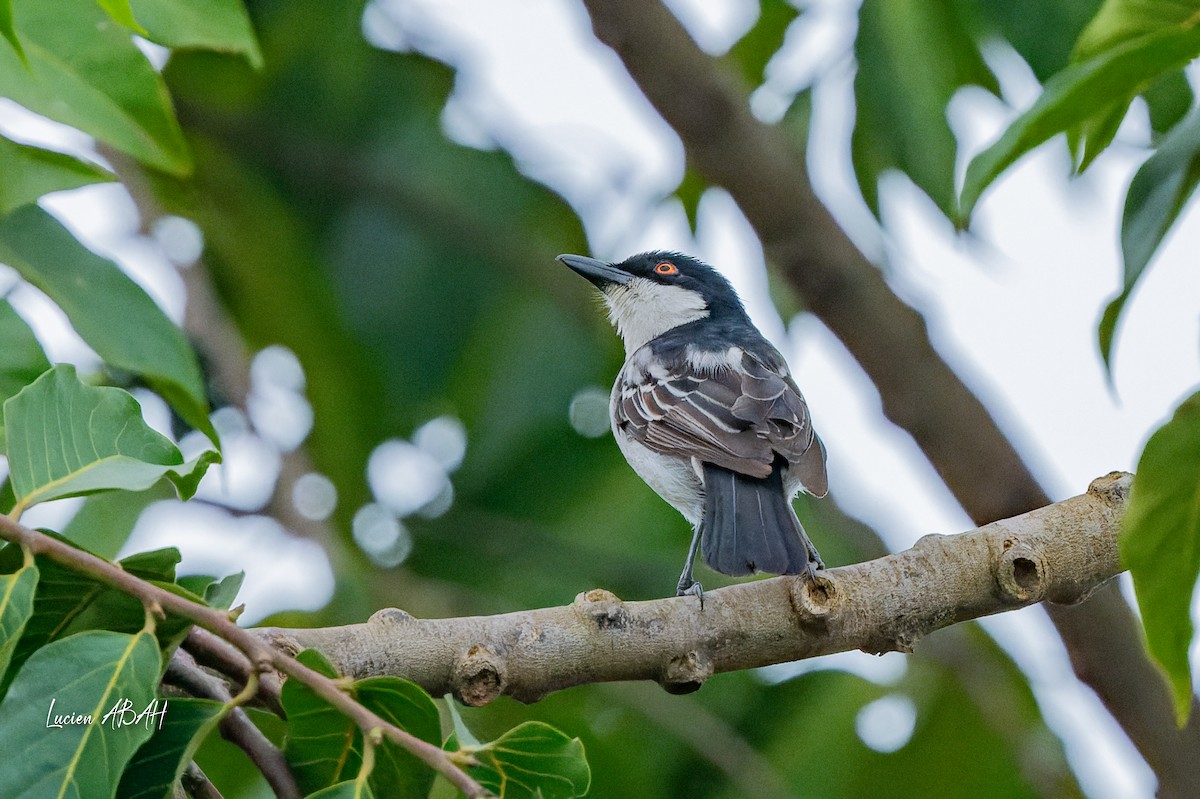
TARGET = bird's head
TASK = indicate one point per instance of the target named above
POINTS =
(651, 293)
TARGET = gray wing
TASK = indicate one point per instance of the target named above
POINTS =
(736, 418)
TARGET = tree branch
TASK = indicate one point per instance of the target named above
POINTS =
(1059, 553)
(214, 652)
(197, 785)
(236, 727)
(709, 109)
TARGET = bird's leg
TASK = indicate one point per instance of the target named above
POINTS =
(687, 586)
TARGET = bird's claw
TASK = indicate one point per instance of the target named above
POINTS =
(691, 588)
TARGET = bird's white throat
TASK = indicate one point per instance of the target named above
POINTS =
(643, 310)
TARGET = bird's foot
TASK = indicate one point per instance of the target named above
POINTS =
(810, 569)
(814, 559)
(691, 588)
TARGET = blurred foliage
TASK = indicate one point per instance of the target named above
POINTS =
(414, 277)
(902, 88)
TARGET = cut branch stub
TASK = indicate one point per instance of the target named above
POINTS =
(479, 677)
(686, 673)
(1021, 572)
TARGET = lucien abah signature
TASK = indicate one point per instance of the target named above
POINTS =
(121, 714)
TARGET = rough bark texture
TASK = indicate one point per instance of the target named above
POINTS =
(708, 107)
(1059, 553)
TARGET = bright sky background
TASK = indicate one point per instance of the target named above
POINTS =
(1013, 310)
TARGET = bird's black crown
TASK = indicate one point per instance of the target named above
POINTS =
(687, 272)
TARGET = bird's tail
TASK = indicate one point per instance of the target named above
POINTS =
(749, 525)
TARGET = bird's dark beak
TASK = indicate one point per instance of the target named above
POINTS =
(599, 273)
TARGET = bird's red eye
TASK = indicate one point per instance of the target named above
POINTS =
(666, 268)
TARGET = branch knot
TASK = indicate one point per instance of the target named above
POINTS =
(391, 616)
(686, 673)
(603, 607)
(1022, 573)
(813, 598)
(1112, 488)
(479, 677)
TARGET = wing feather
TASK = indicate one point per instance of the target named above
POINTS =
(737, 414)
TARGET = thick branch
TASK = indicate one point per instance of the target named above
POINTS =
(1058, 553)
(709, 109)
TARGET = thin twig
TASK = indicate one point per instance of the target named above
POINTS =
(262, 656)
(236, 726)
(213, 652)
(197, 785)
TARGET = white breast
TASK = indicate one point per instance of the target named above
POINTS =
(673, 479)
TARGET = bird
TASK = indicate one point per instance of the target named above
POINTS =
(706, 412)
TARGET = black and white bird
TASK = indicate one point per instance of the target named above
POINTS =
(706, 412)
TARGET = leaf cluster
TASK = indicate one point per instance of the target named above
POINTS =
(82, 663)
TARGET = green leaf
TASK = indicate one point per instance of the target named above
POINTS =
(1085, 91)
(103, 523)
(1160, 543)
(21, 358)
(462, 735)
(66, 439)
(754, 51)
(87, 675)
(1168, 100)
(155, 564)
(120, 613)
(398, 773)
(1117, 22)
(1093, 135)
(325, 748)
(533, 761)
(158, 763)
(120, 11)
(321, 747)
(30, 172)
(1120, 21)
(8, 31)
(1157, 195)
(221, 25)
(111, 312)
(61, 595)
(1043, 33)
(221, 593)
(351, 789)
(63, 598)
(67, 602)
(7, 500)
(84, 70)
(901, 91)
(16, 607)
(196, 583)
(217, 593)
